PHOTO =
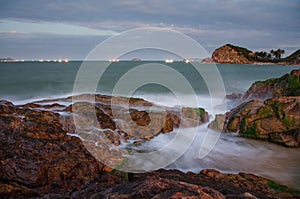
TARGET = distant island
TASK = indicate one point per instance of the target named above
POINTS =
(231, 54)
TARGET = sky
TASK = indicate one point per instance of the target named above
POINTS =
(55, 29)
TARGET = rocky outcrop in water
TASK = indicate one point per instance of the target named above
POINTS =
(231, 54)
(273, 112)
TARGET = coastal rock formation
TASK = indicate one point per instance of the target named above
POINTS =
(276, 120)
(37, 156)
(40, 158)
(270, 111)
(287, 85)
(231, 54)
(208, 183)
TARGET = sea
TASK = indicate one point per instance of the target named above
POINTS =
(169, 84)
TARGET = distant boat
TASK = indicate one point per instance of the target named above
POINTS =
(169, 61)
(114, 60)
(186, 61)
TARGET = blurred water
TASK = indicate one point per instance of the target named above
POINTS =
(29, 81)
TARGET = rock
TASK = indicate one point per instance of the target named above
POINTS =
(270, 111)
(88, 115)
(37, 156)
(39, 159)
(287, 85)
(113, 113)
(276, 120)
(7, 107)
(175, 184)
(232, 55)
(238, 55)
(208, 183)
(218, 123)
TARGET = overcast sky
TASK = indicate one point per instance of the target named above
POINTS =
(35, 29)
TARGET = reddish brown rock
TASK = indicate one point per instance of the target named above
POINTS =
(37, 157)
(232, 54)
(276, 120)
(270, 111)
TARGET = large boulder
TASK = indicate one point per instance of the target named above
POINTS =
(38, 157)
(269, 111)
(276, 120)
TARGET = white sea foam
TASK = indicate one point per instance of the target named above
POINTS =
(234, 154)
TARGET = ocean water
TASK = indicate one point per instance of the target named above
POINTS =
(29, 81)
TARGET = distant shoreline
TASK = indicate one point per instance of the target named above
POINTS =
(158, 61)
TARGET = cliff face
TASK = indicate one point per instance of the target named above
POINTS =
(232, 55)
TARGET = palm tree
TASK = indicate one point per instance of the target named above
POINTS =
(277, 53)
(281, 52)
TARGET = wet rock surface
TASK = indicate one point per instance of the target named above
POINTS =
(208, 183)
(37, 157)
(41, 155)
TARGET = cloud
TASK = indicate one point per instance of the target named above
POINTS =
(251, 23)
(273, 14)
(50, 28)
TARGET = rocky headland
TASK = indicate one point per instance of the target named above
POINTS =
(231, 54)
(44, 155)
(268, 110)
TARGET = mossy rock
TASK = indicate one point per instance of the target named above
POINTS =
(249, 131)
(266, 111)
(277, 188)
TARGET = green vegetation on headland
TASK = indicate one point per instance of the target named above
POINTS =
(240, 55)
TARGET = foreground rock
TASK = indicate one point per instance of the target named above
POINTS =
(274, 120)
(271, 111)
(287, 85)
(37, 157)
(208, 183)
(40, 159)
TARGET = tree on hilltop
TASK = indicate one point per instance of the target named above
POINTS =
(277, 53)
